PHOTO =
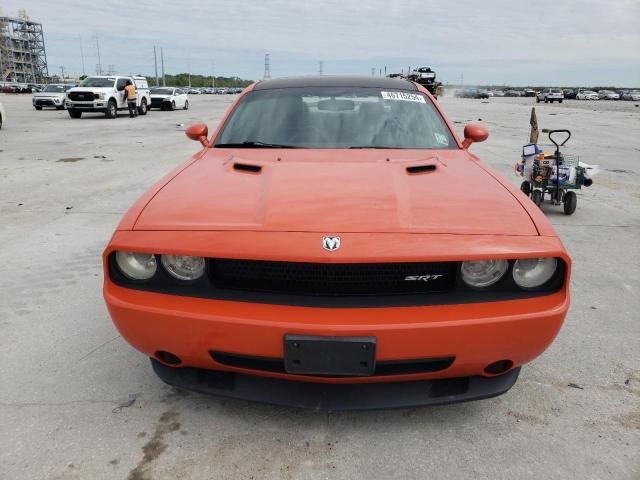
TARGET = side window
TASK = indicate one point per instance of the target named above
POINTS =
(179, 92)
(122, 82)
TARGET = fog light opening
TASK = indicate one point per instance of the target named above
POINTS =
(498, 367)
(168, 358)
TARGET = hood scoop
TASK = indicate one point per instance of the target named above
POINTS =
(419, 169)
(247, 167)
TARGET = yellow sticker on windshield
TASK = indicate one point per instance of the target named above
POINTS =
(403, 96)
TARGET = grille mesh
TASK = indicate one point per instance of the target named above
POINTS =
(344, 279)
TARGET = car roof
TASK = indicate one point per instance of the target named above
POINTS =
(336, 81)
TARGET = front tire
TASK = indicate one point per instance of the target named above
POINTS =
(559, 101)
(38, 108)
(74, 113)
(570, 203)
(142, 109)
(186, 104)
(537, 100)
(60, 107)
(112, 110)
(536, 196)
(173, 106)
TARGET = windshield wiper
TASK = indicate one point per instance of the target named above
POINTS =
(376, 148)
(253, 144)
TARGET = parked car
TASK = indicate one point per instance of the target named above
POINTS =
(472, 93)
(569, 93)
(550, 95)
(3, 115)
(106, 94)
(513, 93)
(631, 95)
(498, 93)
(587, 95)
(608, 95)
(192, 91)
(169, 98)
(222, 91)
(53, 95)
(8, 89)
(528, 92)
(428, 279)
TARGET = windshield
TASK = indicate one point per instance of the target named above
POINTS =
(161, 91)
(97, 82)
(336, 117)
(55, 88)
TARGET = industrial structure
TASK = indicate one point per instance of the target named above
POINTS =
(23, 57)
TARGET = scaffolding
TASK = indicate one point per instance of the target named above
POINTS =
(23, 58)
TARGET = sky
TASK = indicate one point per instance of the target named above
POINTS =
(516, 42)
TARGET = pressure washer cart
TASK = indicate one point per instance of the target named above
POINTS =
(553, 174)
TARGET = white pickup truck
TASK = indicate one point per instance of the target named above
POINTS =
(550, 95)
(106, 94)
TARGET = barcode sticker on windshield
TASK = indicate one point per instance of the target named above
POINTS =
(403, 96)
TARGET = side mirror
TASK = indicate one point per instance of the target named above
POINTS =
(199, 132)
(473, 133)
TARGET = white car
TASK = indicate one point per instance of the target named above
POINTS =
(550, 95)
(3, 116)
(608, 95)
(106, 94)
(632, 95)
(53, 95)
(587, 95)
(169, 98)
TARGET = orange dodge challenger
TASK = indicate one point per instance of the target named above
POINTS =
(334, 245)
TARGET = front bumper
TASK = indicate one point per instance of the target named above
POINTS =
(340, 397)
(97, 105)
(475, 335)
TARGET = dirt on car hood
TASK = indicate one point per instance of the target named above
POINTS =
(336, 191)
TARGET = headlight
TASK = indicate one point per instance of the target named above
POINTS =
(483, 273)
(533, 272)
(136, 266)
(99, 96)
(183, 268)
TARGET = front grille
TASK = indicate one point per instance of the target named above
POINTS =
(156, 102)
(81, 96)
(383, 368)
(43, 102)
(328, 279)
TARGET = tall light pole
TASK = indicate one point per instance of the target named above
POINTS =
(213, 75)
(82, 56)
(155, 63)
(164, 84)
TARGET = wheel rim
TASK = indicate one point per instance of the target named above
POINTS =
(143, 106)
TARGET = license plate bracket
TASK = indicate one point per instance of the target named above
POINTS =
(339, 356)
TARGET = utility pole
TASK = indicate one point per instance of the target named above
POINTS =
(155, 63)
(82, 56)
(320, 69)
(162, 64)
(385, 70)
(213, 75)
(99, 72)
(62, 72)
(189, 68)
(267, 67)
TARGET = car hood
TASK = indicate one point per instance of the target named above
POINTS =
(91, 89)
(336, 191)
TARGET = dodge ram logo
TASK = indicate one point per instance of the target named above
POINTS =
(331, 243)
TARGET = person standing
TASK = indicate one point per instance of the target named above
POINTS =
(132, 98)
